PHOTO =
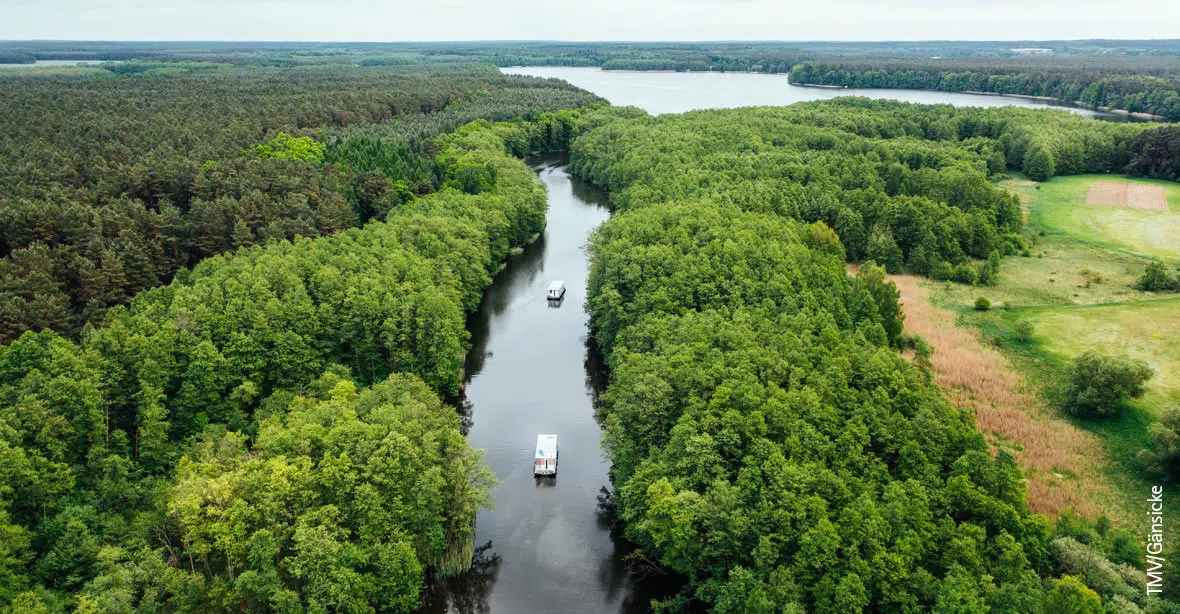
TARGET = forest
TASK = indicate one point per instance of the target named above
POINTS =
(126, 181)
(767, 439)
(234, 302)
(262, 430)
(904, 185)
(1133, 84)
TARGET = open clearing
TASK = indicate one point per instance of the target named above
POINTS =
(1124, 194)
(1149, 330)
(1075, 289)
(1059, 208)
(1058, 458)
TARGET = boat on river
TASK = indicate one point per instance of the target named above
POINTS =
(556, 291)
(545, 462)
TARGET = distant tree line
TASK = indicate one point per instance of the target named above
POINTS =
(1126, 83)
(584, 53)
(1136, 76)
(7, 57)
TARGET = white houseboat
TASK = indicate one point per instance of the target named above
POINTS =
(545, 463)
(556, 291)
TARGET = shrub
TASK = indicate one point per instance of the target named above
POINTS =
(965, 274)
(1163, 457)
(1156, 278)
(989, 270)
(982, 304)
(1099, 385)
(1024, 330)
(942, 271)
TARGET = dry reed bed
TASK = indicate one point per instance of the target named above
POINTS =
(1061, 462)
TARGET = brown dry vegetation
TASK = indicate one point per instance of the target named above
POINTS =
(1061, 462)
(1124, 194)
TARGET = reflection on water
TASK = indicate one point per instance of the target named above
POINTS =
(469, 593)
(550, 543)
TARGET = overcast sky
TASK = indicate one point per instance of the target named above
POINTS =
(418, 20)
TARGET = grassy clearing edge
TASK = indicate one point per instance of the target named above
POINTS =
(1121, 437)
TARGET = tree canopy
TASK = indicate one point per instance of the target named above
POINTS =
(767, 440)
(265, 432)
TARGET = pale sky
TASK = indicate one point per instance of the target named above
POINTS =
(580, 20)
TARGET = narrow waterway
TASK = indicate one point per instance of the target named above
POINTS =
(547, 546)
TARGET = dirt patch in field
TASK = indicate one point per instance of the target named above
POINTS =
(1130, 195)
(1062, 463)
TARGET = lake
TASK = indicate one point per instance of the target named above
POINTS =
(43, 63)
(677, 92)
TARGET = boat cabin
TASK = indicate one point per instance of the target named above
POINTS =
(556, 291)
(545, 463)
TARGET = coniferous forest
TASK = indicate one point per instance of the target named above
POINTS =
(235, 290)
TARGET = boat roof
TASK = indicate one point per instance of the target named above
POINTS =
(553, 286)
(546, 445)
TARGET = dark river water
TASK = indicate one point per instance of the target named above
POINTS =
(547, 547)
(677, 92)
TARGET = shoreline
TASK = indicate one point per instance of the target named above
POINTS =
(1077, 104)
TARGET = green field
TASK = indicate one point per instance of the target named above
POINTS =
(1059, 208)
(1076, 290)
(1148, 330)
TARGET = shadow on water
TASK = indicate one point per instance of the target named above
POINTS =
(521, 270)
(551, 544)
(468, 593)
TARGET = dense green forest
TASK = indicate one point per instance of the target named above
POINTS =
(1156, 153)
(1135, 84)
(904, 185)
(265, 431)
(121, 182)
(767, 439)
(234, 294)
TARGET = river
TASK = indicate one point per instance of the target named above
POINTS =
(547, 547)
(677, 92)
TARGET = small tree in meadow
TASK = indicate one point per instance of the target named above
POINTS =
(1099, 385)
(1024, 330)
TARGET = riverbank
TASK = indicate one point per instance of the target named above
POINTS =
(1077, 103)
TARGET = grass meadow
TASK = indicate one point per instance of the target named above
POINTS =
(1059, 208)
(1076, 290)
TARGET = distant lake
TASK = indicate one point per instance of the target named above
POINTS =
(677, 92)
(53, 63)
